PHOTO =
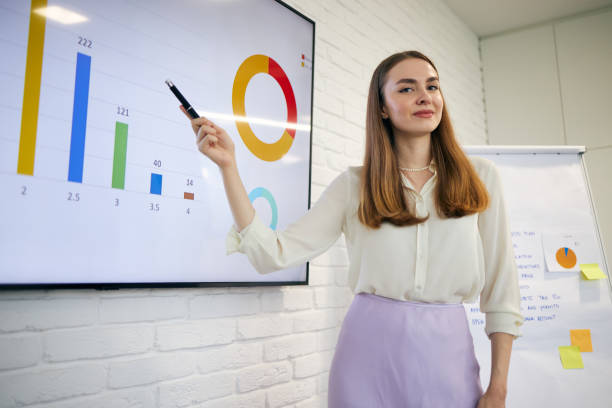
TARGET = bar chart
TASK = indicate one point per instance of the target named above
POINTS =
(78, 134)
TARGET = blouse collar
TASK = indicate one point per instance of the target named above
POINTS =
(432, 166)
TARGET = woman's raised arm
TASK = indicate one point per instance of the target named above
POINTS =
(214, 142)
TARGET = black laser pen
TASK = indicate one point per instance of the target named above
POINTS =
(192, 112)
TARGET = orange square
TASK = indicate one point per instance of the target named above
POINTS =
(582, 339)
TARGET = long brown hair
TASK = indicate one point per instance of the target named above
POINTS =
(458, 192)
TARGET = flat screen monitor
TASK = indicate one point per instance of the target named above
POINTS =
(101, 179)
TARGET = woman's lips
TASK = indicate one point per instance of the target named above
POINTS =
(424, 114)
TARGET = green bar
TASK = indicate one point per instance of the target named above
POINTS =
(119, 159)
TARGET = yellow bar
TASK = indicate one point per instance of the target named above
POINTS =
(31, 90)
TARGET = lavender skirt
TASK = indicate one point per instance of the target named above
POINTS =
(398, 354)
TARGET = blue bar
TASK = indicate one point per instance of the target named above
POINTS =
(156, 183)
(79, 118)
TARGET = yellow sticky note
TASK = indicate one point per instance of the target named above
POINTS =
(592, 271)
(582, 339)
(570, 357)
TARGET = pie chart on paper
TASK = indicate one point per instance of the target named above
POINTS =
(566, 257)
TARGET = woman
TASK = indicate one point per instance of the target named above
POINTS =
(426, 230)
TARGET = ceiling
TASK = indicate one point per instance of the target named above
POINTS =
(489, 17)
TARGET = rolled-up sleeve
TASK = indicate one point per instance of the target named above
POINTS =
(500, 296)
(309, 236)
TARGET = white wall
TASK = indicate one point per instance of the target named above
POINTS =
(239, 347)
(521, 84)
(552, 84)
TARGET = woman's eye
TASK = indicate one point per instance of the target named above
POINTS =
(433, 87)
(405, 90)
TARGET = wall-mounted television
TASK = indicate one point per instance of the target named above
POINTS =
(102, 183)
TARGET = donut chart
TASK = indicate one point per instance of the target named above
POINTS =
(264, 193)
(566, 257)
(262, 64)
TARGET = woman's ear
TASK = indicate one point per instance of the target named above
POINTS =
(383, 113)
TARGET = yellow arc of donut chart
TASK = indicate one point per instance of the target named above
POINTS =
(566, 257)
(262, 64)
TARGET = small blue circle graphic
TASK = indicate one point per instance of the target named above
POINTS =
(262, 192)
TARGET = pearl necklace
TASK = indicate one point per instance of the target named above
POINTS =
(409, 169)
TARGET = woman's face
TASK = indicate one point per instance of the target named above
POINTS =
(412, 99)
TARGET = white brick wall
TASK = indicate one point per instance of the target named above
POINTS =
(238, 347)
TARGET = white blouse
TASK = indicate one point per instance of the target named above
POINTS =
(443, 260)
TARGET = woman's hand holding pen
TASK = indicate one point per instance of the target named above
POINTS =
(213, 141)
(217, 145)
